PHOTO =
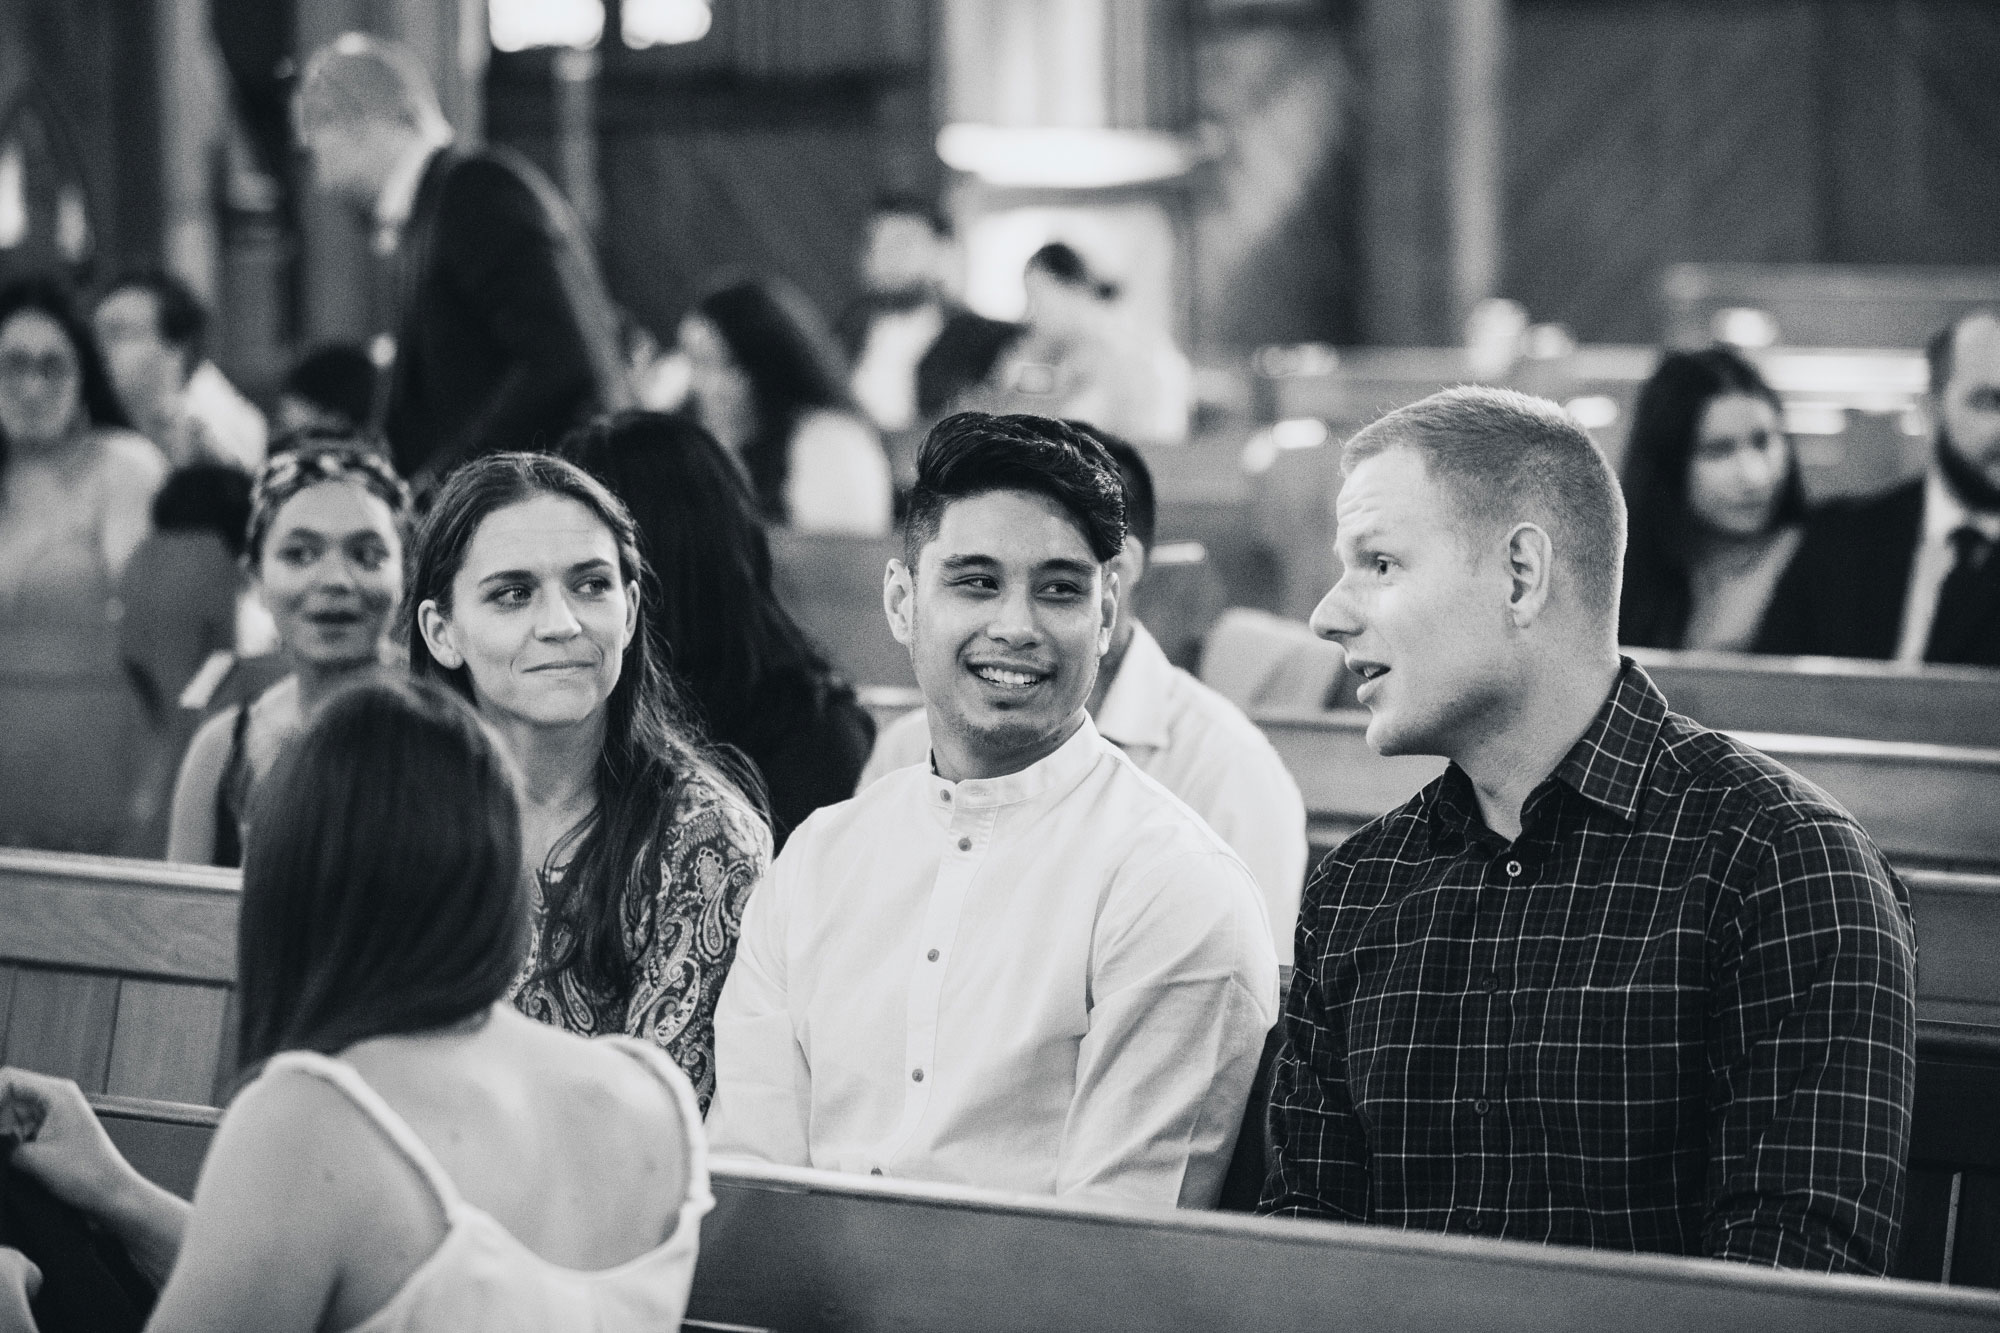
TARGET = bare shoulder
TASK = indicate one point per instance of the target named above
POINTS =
(288, 1135)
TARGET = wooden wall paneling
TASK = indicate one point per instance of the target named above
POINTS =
(166, 1041)
(61, 1023)
(6, 1005)
(225, 1054)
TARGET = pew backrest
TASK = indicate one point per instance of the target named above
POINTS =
(118, 974)
(808, 1250)
(1951, 1208)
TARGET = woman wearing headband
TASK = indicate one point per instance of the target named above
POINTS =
(326, 554)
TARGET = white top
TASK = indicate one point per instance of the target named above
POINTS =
(1197, 745)
(1944, 514)
(1053, 982)
(482, 1278)
(839, 478)
(229, 423)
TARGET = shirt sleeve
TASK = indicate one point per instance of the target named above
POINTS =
(763, 1094)
(1316, 1164)
(1813, 1061)
(1183, 989)
(714, 855)
(1251, 802)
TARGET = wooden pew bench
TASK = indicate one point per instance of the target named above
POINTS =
(808, 1250)
(119, 973)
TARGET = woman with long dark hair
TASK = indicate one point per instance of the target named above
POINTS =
(325, 555)
(1714, 501)
(768, 380)
(411, 1154)
(642, 848)
(76, 485)
(739, 657)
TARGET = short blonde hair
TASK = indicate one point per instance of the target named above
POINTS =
(1507, 458)
(358, 79)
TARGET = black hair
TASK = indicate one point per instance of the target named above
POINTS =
(972, 453)
(650, 746)
(1137, 478)
(382, 891)
(206, 497)
(1662, 531)
(795, 368)
(1062, 262)
(742, 662)
(963, 357)
(178, 314)
(340, 379)
(52, 297)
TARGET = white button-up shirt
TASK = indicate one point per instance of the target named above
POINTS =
(1054, 982)
(1944, 514)
(1197, 745)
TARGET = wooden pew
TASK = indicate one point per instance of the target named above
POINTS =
(1806, 696)
(809, 1250)
(118, 973)
(1927, 806)
(1951, 1211)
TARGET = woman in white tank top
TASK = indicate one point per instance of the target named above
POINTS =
(412, 1154)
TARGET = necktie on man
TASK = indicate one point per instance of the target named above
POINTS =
(1961, 601)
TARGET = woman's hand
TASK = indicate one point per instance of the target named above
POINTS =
(61, 1143)
(19, 1281)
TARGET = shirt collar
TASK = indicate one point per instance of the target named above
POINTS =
(1607, 766)
(1945, 513)
(1134, 712)
(1057, 773)
(399, 193)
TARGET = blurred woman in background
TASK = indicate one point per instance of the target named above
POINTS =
(1714, 499)
(768, 380)
(642, 848)
(410, 1154)
(741, 660)
(325, 552)
(1086, 359)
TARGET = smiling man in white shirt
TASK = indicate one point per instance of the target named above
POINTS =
(1181, 733)
(1027, 966)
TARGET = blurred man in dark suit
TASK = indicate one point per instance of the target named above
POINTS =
(505, 336)
(1910, 574)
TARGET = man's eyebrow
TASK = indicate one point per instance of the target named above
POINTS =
(1065, 565)
(967, 562)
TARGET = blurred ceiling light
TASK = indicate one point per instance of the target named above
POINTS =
(1178, 553)
(1052, 157)
(1741, 326)
(1281, 361)
(1596, 412)
(13, 196)
(516, 25)
(645, 23)
(1300, 433)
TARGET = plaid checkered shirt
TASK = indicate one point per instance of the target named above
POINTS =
(1676, 1014)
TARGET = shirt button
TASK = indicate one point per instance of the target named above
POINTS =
(1473, 1224)
(1490, 983)
(942, 796)
(917, 1075)
(965, 844)
(1480, 1106)
(1514, 869)
(932, 955)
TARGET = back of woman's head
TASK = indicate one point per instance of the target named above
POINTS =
(783, 345)
(716, 623)
(1666, 424)
(382, 893)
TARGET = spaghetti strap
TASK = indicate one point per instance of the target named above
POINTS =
(657, 1062)
(369, 1102)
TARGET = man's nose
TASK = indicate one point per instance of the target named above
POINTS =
(1334, 617)
(1013, 619)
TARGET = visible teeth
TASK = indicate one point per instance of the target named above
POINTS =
(1001, 676)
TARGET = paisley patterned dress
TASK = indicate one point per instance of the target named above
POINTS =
(713, 851)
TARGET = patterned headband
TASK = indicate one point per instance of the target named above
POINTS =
(291, 472)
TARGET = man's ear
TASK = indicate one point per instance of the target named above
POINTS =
(436, 627)
(1107, 609)
(1530, 567)
(1130, 562)
(899, 601)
